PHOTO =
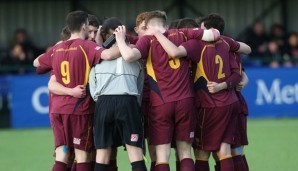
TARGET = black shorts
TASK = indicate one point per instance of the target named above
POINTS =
(118, 121)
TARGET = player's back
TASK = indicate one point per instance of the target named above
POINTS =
(213, 66)
(71, 66)
(169, 78)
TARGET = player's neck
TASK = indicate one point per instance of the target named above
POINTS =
(76, 36)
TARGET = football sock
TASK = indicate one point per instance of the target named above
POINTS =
(59, 166)
(152, 167)
(239, 164)
(187, 164)
(101, 167)
(113, 166)
(177, 165)
(227, 164)
(138, 166)
(162, 167)
(83, 167)
(202, 165)
(245, 162)
(217, 166)
(73, 166)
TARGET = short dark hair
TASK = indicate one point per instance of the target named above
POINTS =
(215, 21)
(187, 23)
(93, 21)
(200, 20)
(65, 33)
(110, 23)
(75, 20)
(156, 14)
(174, 24)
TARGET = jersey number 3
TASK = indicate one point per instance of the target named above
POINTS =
(65, 72)
(218, 60)
(174, 63)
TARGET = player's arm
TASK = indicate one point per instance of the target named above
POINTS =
(129, 54)
(98, 37)
(36, 61)
(58, 89)
(92, 83)
(244, 48)
(169, 47)
(111, 53)
(244, 81)
(208, 35)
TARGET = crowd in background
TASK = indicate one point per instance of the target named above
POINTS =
(273, 48)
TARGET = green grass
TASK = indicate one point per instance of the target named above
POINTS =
(273, 146)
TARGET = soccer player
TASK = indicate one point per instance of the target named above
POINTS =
(239, 159)
(216, 125)
(72, 119)
(171, 93)
(116, 86)
(93, 27)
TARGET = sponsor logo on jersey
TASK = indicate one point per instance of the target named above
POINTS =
(77, 141)
(134, 137)
(192, 134)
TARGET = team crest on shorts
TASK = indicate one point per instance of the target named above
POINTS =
(134, 137)
(77, 141)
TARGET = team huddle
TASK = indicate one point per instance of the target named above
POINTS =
(177, 87)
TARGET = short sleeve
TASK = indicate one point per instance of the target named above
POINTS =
(143, 45)
(234, 45)
(93, 52)
(45, 61)
(193, 48)
(194, 33)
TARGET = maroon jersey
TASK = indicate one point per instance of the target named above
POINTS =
(71, 63)
(239, 94)
(169, 78)
(213, 63)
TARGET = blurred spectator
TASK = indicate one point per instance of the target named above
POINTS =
(17, 57)
(273, 55)
(291, 48)
(21, 53)
(257, 39)
(21, 38)
(277, 32)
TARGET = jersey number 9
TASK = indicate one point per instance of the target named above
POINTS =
(65, 72)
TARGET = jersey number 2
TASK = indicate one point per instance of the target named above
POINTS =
(65, 72)
(218, 60)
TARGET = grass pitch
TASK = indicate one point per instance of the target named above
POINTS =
(273, 146)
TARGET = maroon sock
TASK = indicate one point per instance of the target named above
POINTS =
(83, 167)
(227, 164)
(162, 167)
(152, 167)
(177, 165)
(59, 166)
(113, 165)
(201, 165)
(239, 164)
(74, 166)
(245, 162)
(217, 166)
(187, 164)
